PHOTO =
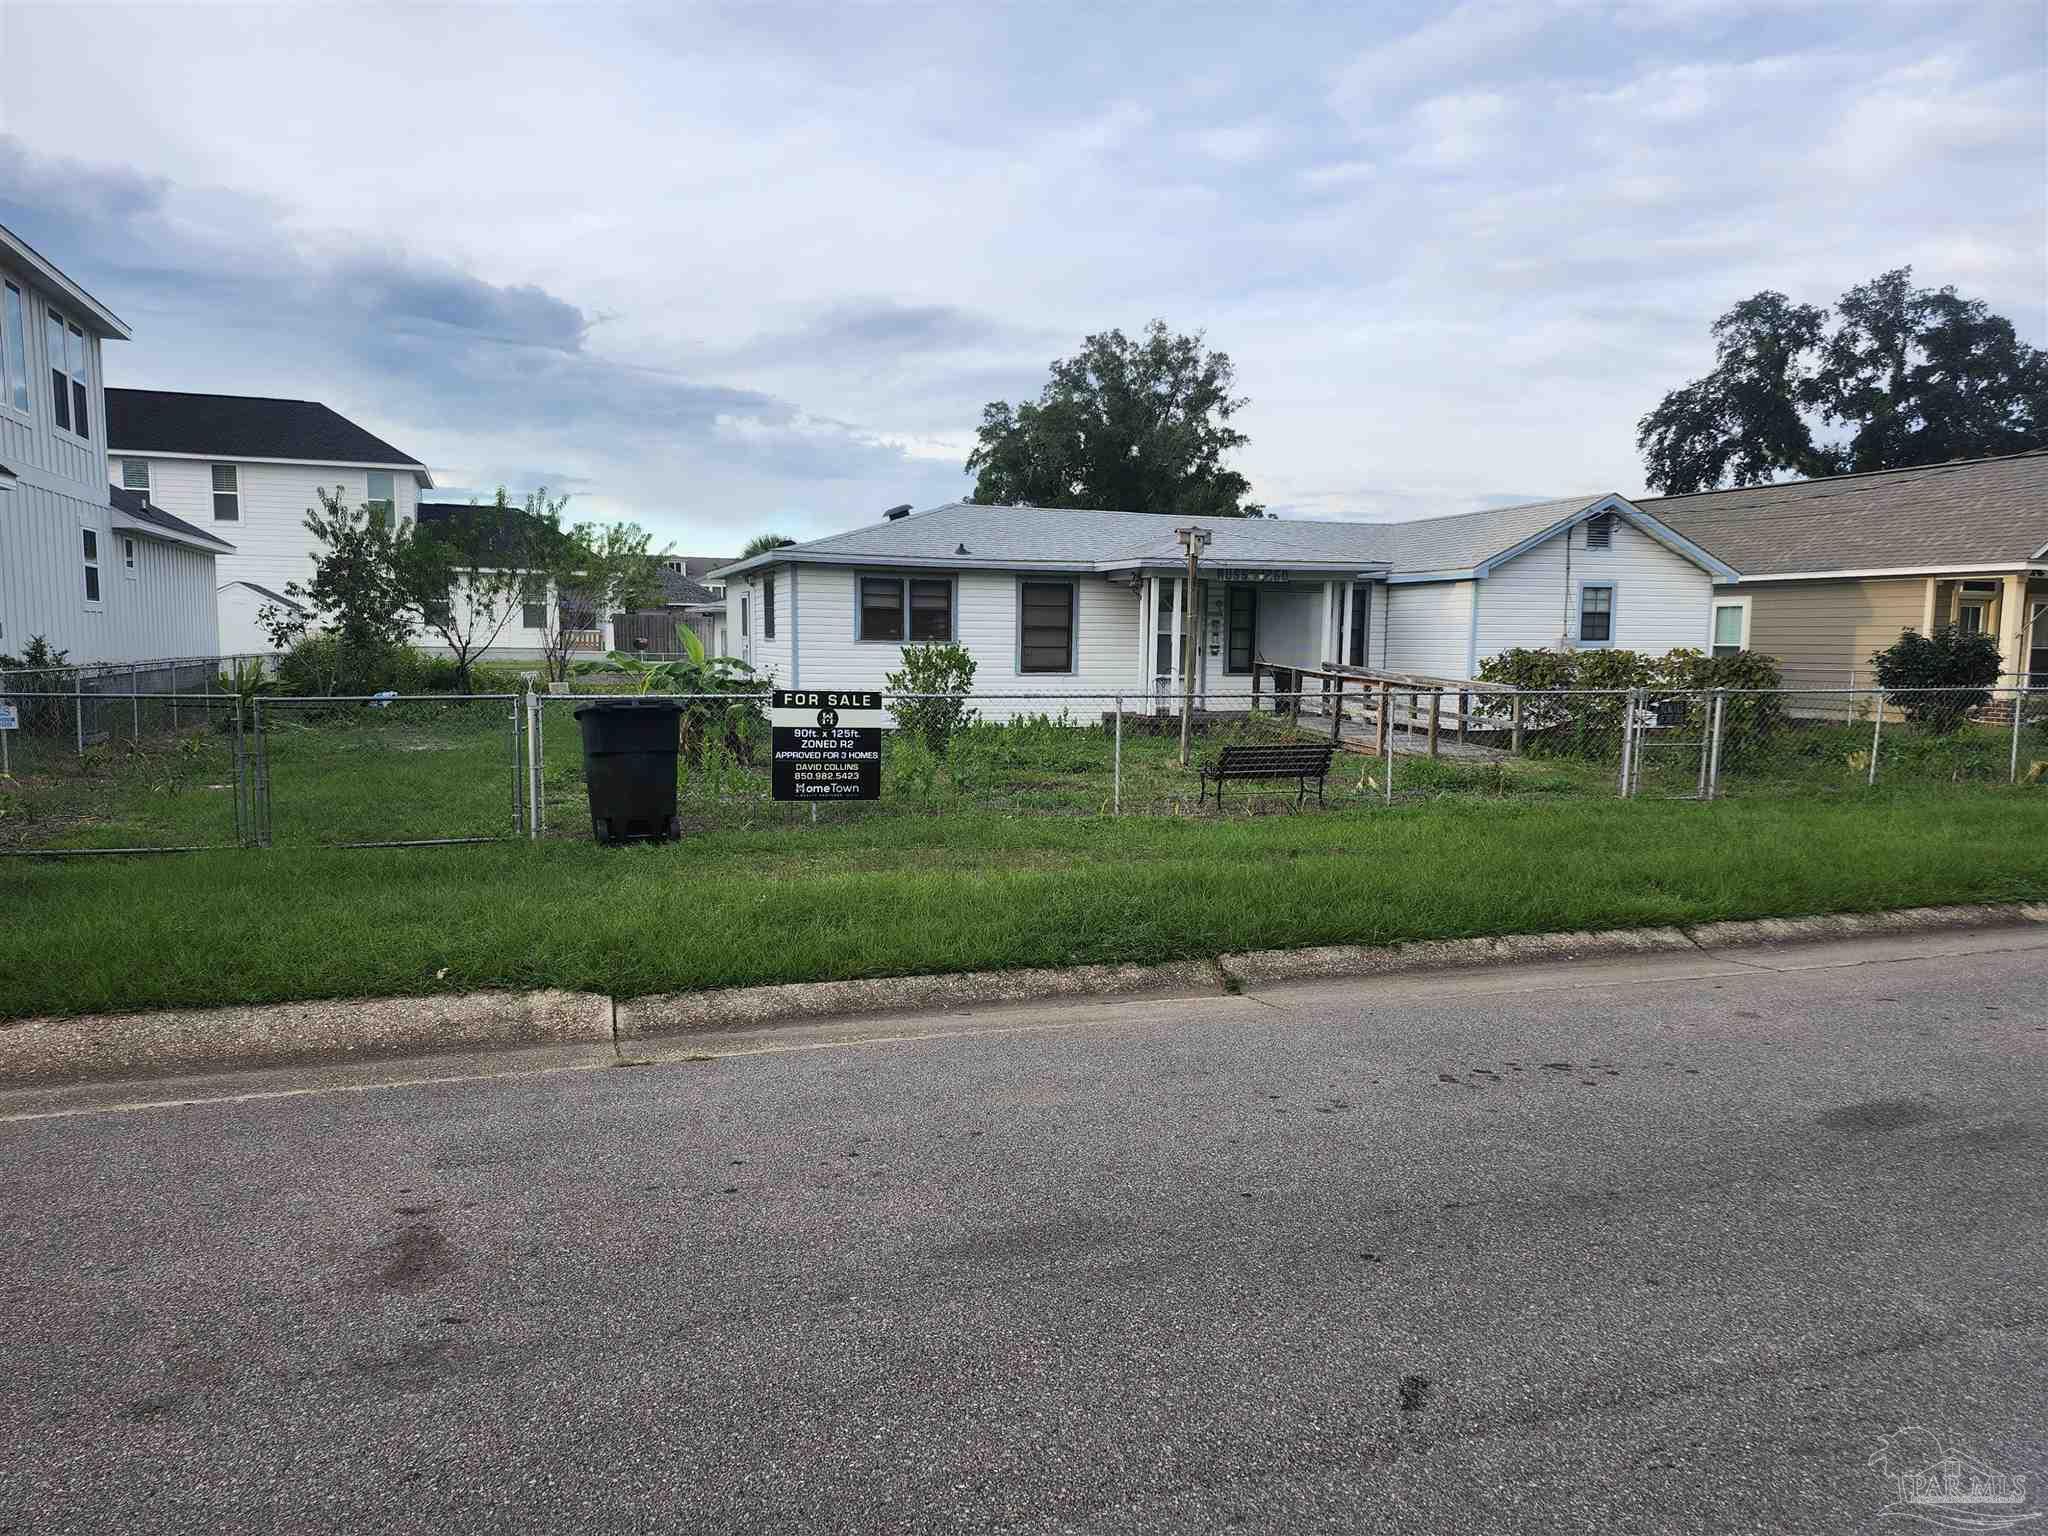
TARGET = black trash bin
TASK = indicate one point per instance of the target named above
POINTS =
(629, 764)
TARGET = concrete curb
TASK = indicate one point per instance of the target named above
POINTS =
(48, 1051)
(61, 1050)
(730, 1008)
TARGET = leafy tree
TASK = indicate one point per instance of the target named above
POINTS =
(945, 673)
(1907, 376)
(1139, 426)
(761, 543)
(592, 570)
(465, 576)
(356, 593)
(1934, 679)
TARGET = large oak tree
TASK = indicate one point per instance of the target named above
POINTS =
(1904, 376)
(1133, 426)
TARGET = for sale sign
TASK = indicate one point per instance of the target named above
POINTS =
(827, 744)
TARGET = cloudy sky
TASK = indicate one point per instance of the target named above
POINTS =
(759, 267)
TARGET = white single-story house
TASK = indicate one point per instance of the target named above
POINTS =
(104, 575)
(1070, 602)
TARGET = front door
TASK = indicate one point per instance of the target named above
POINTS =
(746, 632)
(2037, 644)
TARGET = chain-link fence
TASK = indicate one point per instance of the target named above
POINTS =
(207, 770)
(154, 771)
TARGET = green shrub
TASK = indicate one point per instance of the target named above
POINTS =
(1962, 667)
(946, 670)
(320, 666)
(1586, 706)
(41, 716)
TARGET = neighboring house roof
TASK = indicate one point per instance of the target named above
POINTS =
(498, 534)
(964, 535)
(1972, 512)
(697, 567)
(78, 304)
(679, 591)
(135, 510)
(143, 421)
(265, 592)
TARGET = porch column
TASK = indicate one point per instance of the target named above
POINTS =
(2012, 626)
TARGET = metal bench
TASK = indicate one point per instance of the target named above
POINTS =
(1301, 761)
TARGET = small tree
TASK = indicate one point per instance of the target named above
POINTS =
(357, 593)
(466, 575)
(593, 570)
(1959, 667)
(761, 543)
(944, 670)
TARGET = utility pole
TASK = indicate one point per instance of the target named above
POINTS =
(1194, 541)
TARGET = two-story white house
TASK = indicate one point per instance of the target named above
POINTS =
(250, 468)
(103, 577)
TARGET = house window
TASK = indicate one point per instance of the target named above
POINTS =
(1731, 627)
(881, 608)
(381, 500)
(13, 350)
(1600, 531)
(1169, 643)
(533, 605)
(128, 555)
(135, 475)
(931, 610)
(227, 494)
(1970, 617)
(1361, 617)
(768, 608)
(92, 565)
(439, 612)
(60, 377)
(1242, 625)
(1045, 626)
(576, 612)
(1596, 615)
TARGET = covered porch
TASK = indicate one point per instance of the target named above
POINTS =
(1253, 623)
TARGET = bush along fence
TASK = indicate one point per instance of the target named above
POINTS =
(237, 765)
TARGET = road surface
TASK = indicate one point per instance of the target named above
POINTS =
(1646, 1246)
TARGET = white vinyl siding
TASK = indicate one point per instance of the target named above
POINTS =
(1661, 599)
(272, 546)
(1429, 628)
(821, 617)
(31, 443)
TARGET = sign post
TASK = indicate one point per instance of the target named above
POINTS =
(826, 744)
(9, 721)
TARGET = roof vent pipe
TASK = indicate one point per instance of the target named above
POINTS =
(893, 513)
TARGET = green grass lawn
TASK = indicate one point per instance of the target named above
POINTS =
(861, 895)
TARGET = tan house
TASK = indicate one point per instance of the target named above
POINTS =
(1834, 569)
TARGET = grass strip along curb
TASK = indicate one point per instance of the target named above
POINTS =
(768, 906)
(41, 1052)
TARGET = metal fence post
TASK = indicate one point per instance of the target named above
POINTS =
(1628, 736)
(78, 685)
(1116, 763)
(1706, 739)
(241, 784)
(1876, 738)
(1714, 751)
(135, 701)
(533, 763)
(2019, 704)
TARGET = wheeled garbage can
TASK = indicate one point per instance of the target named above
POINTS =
(629, 764)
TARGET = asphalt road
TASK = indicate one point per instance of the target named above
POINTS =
(1662, 1246)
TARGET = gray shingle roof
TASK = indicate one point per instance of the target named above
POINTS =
(678, 590)
(1976, 512)
(1971, 512)
(138, 506)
